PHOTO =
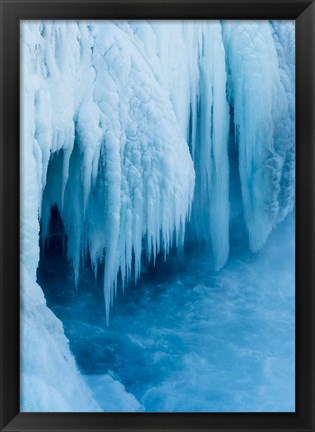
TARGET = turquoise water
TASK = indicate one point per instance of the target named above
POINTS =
(186, 338)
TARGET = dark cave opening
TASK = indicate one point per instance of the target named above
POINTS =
(54, 272)
(57, 238)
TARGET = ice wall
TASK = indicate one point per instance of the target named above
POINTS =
(50, 379)
(261, 88)
(210, 69)
(189, 61)
(284, 38)
(107, 147)
(123, 119)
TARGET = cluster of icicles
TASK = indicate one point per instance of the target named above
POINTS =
(126, 128)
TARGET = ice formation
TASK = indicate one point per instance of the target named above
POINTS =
(262, 95)
(48, 365)
(121, 118)
(126, 128)
(107, 147)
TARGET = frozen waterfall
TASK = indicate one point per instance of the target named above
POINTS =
(126, 129)
(142, 142)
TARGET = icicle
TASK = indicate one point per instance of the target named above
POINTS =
(123, 170)
(123, 119)
(210, 212)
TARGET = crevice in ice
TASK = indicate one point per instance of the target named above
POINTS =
(237, 230)
(55, 239)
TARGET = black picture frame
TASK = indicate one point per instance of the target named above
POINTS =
(12, 11)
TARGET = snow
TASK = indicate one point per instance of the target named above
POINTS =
(111, 394)
(125, 127)
(50, 379)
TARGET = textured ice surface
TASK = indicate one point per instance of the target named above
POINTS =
(119, 167)
(261, 86)
(139, 132)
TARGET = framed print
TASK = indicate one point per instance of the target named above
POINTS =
(157, 200)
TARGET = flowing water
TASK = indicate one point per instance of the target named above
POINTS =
(186, 338)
